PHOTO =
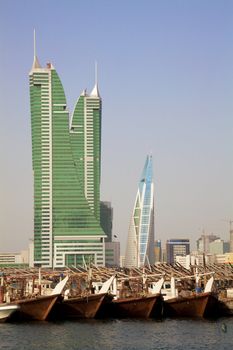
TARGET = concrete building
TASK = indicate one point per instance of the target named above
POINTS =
(158, 251)
(204, 241)
(202, 259)
(176, 247)
(21, 258)
(122, 261)
(112, 253)
(226, 258)
(194, 259)
(229, 258)
(185, 261)
(106, 219)
(231, 241)
(218, 247)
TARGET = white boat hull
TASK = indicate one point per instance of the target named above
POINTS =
(6, 311)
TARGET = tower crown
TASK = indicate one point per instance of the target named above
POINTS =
(36, 63)
(95, 90)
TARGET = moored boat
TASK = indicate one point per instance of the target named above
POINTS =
(79, 307)
(143, 306)
(193, 305)
(189, 306)
(6, 311)
(37, 308)
(133, 307)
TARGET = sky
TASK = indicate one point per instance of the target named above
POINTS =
(165, 73)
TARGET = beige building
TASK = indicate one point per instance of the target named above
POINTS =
(14, 258)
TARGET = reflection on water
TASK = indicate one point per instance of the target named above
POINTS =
(119, 334)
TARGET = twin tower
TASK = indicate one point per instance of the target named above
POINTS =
(66, 158)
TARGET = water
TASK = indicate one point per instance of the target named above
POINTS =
(119, 335)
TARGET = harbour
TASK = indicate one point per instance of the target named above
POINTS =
(116, 227)
(155, 291)
(127, 334)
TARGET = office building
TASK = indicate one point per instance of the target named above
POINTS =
(158, 251)
(176, 247)
(231, 241)
(140, 244)
(85, 137)
(203, 243)
(219, 247)
(112, 254)
(66, 169)
(14, 259)
(106, 219)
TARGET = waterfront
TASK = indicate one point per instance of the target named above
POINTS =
(119, 334)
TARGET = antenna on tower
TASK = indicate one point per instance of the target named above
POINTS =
(230, 222)
(34, 42)
(36, 63)
(96, 73)
(95, 91)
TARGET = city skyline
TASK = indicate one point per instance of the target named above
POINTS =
(166, 73)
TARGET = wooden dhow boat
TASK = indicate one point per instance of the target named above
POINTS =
(79, 307)
(85, 306)
(134, 306)
(194, 305)
(38, 308)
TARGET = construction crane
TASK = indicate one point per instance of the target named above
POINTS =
(230, 222)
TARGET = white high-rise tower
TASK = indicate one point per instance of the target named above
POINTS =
(140, 245)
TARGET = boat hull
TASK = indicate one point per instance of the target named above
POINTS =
(35, 309)
(133, 307)
(79, 307)
(191, 306)
(6, 311)
(226, 307)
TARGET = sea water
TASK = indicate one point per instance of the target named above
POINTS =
(119, 335)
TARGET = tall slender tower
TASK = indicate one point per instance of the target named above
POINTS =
(66, 230)
(140, 245)
(85, 132)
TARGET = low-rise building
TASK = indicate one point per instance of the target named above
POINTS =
(14, 258)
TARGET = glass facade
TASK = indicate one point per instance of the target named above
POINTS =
(176, 247)
(85, 136)
(65, 218)
(106, 218)
(140, 245)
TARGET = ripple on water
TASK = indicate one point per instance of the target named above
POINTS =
(118, 335)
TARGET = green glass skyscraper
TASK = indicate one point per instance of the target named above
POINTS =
(66, 167)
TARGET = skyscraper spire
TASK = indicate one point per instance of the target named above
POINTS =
(95, 91)
(96, 73)
(36, 63)
(34, 43)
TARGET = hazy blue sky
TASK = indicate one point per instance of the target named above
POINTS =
(166, 80)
